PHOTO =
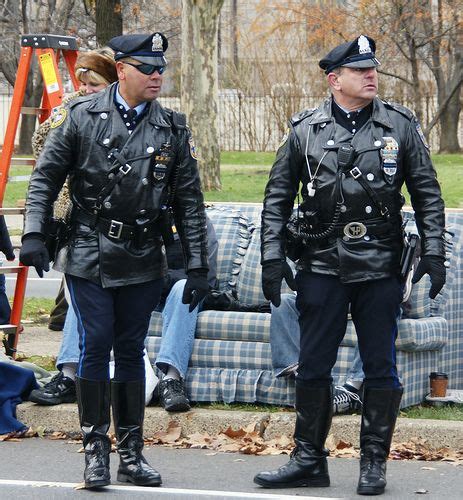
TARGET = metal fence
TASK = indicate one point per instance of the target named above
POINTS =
(257, 123)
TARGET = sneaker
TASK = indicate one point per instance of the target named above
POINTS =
(346, 399)
(172, 395)
(59, 390)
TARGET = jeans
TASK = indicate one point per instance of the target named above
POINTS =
(69, 350)
(285, 338)
(178, 332)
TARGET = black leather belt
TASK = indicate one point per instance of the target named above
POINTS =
(113, 228)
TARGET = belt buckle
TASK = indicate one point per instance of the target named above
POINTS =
(355, 172)
(355, 230)
(115, 229)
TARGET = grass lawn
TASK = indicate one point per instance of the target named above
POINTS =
(245, 174)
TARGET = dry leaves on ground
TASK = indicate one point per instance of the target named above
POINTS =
(249, 441)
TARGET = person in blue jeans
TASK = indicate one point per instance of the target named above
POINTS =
(284, 343)
(178, 332)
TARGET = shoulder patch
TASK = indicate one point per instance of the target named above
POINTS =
(193, 150)
(302, 115)
(58, 117)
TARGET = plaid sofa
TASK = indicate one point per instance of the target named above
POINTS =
(231, 360)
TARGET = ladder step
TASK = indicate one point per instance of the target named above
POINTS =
(22, 161)
(8, 329)
(11, 269)
(12, 211)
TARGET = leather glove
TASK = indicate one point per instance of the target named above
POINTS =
(273, 272)
(435, 267)
(34, 253)
(196, 288)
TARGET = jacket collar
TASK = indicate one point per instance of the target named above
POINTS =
(104, 103)
(324, 113)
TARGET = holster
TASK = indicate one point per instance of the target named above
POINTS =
(56, 235)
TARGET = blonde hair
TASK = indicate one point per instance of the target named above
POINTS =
(102, 59)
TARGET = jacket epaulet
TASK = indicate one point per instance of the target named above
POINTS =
(79, 100)
(302, 115)
(399, 108)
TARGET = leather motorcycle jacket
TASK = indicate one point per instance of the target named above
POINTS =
(119, 185)
(353, 206)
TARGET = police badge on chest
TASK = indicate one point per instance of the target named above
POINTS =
(162, 158)
(389, 155)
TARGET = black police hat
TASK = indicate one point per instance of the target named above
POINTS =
(357, 54)
(148, 49)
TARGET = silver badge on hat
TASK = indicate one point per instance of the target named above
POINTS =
(364, 44)
(157, 43)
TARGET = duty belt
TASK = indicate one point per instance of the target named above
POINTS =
(113, 228)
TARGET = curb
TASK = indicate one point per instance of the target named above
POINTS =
(64, 418)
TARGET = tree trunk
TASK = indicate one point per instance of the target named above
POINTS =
(199, 87)
(449, 119)
(108, 20)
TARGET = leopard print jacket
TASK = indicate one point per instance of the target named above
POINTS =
(62, 206)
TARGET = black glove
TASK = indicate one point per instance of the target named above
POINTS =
(196, 288)
(273, 273)
(34, 253)
(435, 267)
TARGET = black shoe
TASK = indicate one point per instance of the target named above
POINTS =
(56, 327)
(172, 395)
(372, 476)
(346, 399)
(59, 390)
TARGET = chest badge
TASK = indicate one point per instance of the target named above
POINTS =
(389, 155)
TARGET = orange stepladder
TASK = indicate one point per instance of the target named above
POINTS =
(48, 49)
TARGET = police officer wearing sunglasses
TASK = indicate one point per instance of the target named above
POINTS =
(351, 157)
(123, 153)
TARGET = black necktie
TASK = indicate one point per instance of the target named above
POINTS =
(131, 114)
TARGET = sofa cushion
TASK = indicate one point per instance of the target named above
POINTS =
(418, 304)
(422, 334)
(233, 230)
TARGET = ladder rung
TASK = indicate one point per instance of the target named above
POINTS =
(22, 161)
(8, 329)
(12, 211)
(11, 269)
(28, 110)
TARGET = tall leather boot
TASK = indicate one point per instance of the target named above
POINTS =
(308, 465)
(380, 409)
(94, 416)
(128, 401)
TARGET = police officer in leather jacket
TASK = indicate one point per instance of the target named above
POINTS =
(351, 157)
(123, 153)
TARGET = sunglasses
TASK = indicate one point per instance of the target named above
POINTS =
(148, 69)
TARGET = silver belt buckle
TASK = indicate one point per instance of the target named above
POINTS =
(115, 229)
(355, 230)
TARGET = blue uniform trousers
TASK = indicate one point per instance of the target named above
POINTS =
(112, 318)
(323, 304)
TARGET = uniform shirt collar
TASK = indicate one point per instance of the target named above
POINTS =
(120, 100)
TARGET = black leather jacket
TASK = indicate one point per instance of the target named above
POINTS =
(389, 151)
(80, 148)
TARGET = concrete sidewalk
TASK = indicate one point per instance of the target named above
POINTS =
(38, 340)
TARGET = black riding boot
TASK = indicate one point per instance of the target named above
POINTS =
(128, 401)
(94, 416)
(308, 465)
(380, 409)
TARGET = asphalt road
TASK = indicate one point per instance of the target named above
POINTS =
(36, 287)
(46, 469)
